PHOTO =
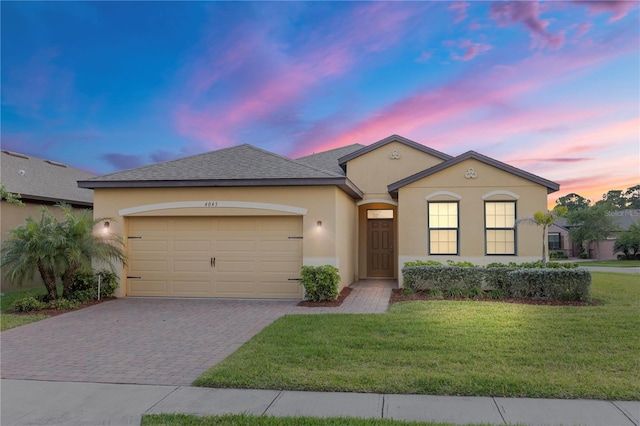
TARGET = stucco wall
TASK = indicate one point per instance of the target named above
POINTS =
(491, 184)
(375, 170)
(330, 244)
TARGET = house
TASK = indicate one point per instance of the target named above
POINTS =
(559, 236)
(241, 221)
(40, 183)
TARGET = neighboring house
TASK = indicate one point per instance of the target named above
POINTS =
(241, 221)
(622, 219)
(40, 183)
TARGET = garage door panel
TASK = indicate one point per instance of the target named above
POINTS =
(255, 258)
(192, 246)
(148, 245)
(148, 287)
(192, 287)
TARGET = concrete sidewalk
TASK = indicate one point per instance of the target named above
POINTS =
(26, 402)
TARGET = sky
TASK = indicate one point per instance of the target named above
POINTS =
(551, 87)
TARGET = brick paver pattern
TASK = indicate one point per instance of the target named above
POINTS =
(154, 340)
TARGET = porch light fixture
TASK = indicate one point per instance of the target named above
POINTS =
(105, 228)
(319, 224)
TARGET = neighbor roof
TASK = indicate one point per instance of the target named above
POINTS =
(393, 138)
(43, 180)
(551, 186)
(242, 165)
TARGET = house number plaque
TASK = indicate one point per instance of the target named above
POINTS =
(211, 204)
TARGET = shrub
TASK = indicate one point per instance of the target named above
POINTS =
(557, 254)
(435, 292)
(420, 278)
(462, 264)
(496, 294)
(320, 282)
(28, 304)
(551, 284)
(423, 263)
(63, 304)
(496, 278)
(85, 285)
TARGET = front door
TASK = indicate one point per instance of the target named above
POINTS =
(380, 248)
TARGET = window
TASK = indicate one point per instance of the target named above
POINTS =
(379, 214)
(500, 227)
(555, 243)
(443, 228)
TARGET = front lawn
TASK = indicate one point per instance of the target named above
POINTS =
(7, 320)
(612, 263)
(247, 420)
(453, 348)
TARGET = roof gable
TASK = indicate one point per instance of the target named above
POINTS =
(550, 185)
(393, 138)
(44, 180)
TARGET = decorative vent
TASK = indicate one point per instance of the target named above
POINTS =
(55, 163)
(15, 154)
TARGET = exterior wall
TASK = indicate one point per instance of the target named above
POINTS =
(491, 184)
(565, 242)
(375, 170)
(12, 216)
(332, 243)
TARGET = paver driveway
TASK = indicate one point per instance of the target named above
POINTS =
(150, 341)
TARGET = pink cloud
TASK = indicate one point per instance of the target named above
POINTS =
(424, 57)
(526, 13)
(460, 10)
(618, 9)
(471, 50)
(283, 81)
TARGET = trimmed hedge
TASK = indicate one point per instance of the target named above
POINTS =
(320, 282)
(523, 281)
(551, 284)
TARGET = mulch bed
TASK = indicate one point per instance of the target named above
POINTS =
(52, 312)
(398, 296)
(331, 303)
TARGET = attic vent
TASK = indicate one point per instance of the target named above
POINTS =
(55, 163)
(15, 154)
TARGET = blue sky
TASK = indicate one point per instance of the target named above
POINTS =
(549, 86)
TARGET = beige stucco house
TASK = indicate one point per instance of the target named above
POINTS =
(241, 221)
(40, 183)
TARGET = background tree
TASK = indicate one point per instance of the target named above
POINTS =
(614, 199)
(632, 194)
(573, 202)
(591, 225)
(544, 220)
(9, 196)
(628, 242)
(57, 249)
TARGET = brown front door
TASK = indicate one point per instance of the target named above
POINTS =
(380, 248)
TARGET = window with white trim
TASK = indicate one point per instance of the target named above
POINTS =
(500, 227)
(443, 227)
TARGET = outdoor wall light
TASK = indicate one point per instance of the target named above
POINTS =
(319, 224)
(105, 228)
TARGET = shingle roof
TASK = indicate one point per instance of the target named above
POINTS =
(328, 160)
(242, 165)
(551, 186)
(43, 180)
(393, 138)
(623, 219)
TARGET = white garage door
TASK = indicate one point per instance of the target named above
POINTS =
(245, 257)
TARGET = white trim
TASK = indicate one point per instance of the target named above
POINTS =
(500, 192)
(210, 204)
(447, 193)
(377, 201)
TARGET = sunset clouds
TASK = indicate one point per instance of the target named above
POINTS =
(551, 87)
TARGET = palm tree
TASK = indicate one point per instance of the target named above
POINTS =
(58, 248)
(544, 220)
(80, 245)
(32, 247)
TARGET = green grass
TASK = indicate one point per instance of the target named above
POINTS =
(612, 263)
(453, 348)
(7, 320)
(248, 420)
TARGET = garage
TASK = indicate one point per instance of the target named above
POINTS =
(196, 256)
